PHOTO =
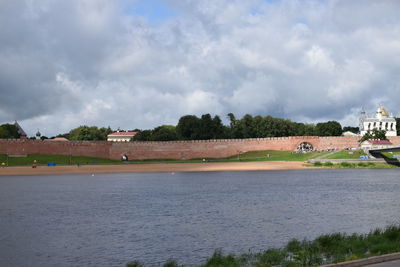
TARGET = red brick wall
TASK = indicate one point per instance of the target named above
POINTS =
(76, 148)
(175, 149)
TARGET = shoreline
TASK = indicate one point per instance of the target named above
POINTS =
(157, 167)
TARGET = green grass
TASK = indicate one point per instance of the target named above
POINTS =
(346, 154)
(325, 249)
(265, 155)
(276, 155)
(390, 155)
(58, 159)
(350, 165)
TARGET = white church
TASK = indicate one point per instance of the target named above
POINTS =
(382, 121)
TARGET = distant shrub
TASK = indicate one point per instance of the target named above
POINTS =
(170, 263)
(218, 259)
(361, 164)
(328, 164)
(134, 264)
(371, 164)
(317, 163)
(346, 164)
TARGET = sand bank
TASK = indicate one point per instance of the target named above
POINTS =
(167, 167)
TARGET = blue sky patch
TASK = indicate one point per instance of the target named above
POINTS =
(154, 10)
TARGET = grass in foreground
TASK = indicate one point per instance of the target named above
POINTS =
(325, 249)
(58, 159)
(346, 154)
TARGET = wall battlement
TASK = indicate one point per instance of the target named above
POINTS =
(174, 149)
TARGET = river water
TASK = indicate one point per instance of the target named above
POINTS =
(110, 219)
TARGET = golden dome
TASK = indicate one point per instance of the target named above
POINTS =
(381, 110)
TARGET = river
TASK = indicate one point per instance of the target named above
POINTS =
(110, 219)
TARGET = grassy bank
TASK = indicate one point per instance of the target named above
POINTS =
(58, 159)
(356, 165)
(265, 155)
(346, 154)
(325, 249)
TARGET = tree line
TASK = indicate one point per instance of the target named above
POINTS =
(191, 127)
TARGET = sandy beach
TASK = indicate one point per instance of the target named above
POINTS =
(166, 167)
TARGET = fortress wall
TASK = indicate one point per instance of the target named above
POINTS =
(174, 149)
(395, 140)
(76, 148)
(224, 147)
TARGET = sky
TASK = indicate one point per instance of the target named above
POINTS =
(143, 63)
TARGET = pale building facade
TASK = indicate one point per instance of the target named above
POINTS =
(120, 136)
(382, 121)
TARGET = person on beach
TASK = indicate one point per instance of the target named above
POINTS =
(3, 164)
(34, 164)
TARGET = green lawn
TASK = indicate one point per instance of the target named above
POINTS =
(346, 154)
(265, 155)
(353, 165)
(58, 159)
(390, 155)
(276, 155)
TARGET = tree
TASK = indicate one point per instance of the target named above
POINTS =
(330, 128)
(164, 133)
(355, 130)
(188, 127)
(375, 134)
(9, 131)
(89, 133)
(398, 126)
(144, 135)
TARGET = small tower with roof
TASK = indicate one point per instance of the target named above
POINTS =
(38, 135)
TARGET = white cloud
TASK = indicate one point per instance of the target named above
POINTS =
(91, 62)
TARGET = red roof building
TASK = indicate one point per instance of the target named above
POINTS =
(375, 144)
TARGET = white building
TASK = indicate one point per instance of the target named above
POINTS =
(381, 121)
(120, 136)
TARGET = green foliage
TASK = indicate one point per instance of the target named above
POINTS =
(317, 163)
(134, 264)
(328, 164)
(171, 263)
(346, 154)
(330, 128)
(8, 131)
(88, 133)
(355, 130)
(271, 257)
(190, 127)
(346, 164)
(58, 159)
(375, 134)
(160, 133)
(218, 259)
(325, 249)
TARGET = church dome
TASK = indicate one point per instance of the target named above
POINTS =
(381, 110)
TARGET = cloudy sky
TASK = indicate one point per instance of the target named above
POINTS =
(143, 63)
